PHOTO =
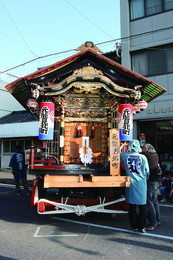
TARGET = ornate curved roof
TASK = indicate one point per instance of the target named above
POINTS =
(71, 72)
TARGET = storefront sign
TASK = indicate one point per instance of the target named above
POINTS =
(114, 152)
(125, 122)
(46, 121)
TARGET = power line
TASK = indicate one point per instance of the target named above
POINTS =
(89, 20)
(9, 74)
(136, 35)
(101, 43)
(17, 29)
(9, 37)
(41, 57)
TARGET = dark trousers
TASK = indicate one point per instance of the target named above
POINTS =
(152, 203)
(137, 216)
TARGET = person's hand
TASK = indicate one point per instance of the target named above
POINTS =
(121, 146)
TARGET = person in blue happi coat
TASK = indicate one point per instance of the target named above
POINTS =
(17, 164)
(137, 168)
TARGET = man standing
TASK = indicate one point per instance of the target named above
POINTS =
(17, 163)
(152, 187)
(137, 168)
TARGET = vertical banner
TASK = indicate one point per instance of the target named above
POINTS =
(125, 122)
(114, 152)
(46, 120)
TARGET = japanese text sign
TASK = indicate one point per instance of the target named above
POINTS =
(114, 152)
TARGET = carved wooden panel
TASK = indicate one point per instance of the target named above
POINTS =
(98, 142)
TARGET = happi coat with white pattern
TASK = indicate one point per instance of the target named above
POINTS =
(137, 168)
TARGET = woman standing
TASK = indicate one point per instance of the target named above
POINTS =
(137, 168)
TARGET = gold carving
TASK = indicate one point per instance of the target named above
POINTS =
(81, 87)
(88, 70)
(85, 113)
(88, 45)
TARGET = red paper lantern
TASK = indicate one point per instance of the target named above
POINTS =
(142, 105)
(136, 109)
(32, 103)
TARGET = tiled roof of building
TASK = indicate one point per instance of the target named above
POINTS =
(18, 117)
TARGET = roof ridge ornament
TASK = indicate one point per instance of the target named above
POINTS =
(88, 45)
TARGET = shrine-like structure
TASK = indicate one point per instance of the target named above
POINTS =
(85, 106)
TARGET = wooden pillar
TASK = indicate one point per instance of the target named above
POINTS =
(61, 147)
(109, 127)
(32, 157)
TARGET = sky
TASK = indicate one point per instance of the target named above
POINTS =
(31, 29)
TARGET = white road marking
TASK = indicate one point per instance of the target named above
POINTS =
(112, 228)
(166, 205)
(38, 230)
(98, 226)
(7, 185)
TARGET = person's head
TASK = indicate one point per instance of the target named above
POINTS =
(18, 148)
(148, 148)
(134, 146)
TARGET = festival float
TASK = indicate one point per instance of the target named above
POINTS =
(85, 106)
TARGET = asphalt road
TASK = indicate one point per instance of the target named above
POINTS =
(26, 235)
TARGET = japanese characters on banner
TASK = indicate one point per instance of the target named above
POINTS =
(46, 121)
(125, 122)
(114, 152)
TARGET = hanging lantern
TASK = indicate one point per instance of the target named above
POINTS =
(136, 109)
(142, 104)
(125, 122)
(32, 103)
(92, 131)
(46, 121)
(79, 132)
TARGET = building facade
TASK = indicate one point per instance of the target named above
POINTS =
(8, 103)
(18, 127)
(147, 48)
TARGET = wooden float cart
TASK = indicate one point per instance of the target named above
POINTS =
(78, 170)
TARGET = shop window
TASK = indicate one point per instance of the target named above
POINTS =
(21, 143)
(28, 144)
(6, 146)
(10, 146)
(13, 146)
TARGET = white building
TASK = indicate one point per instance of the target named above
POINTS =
(15, 127)
(8, 103)
(147, 48)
